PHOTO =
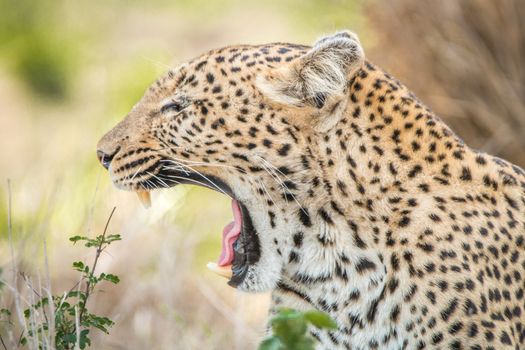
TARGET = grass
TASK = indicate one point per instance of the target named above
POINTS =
(41, 320)
(158, 280)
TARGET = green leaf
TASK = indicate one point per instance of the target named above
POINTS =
(74, 294)
(70, 338)
(79, 266)
(5, 312)
(112, 238)
(272, 343)
(75, 239)
(304, 343)
(290, 329)
(91, 243)
(111, 278)
(320, 320)
(287, 312)
(289, 326)
(84, 339)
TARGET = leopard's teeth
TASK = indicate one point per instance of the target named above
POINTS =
(223, 271)
(145, 198)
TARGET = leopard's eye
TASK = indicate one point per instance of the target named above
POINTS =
(174, 105)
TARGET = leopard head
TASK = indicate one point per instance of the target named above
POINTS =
(241, 120)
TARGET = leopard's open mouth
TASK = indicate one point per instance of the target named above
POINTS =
(240, 241)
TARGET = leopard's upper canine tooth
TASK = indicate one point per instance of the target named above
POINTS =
(223, 271)
(145, 198)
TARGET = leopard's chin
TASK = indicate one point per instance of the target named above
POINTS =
(240, 244)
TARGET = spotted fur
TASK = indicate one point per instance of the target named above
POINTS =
(365, 204)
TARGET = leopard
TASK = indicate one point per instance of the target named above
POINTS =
(349, 195)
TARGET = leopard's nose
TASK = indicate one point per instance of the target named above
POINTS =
(105, 158)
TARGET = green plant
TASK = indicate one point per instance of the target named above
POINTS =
(67, 321)
(290, 329)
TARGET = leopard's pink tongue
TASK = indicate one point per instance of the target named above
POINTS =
(229, 235)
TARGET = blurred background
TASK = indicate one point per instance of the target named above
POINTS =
(69, 70)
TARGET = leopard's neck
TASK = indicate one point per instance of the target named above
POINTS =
(368, 172)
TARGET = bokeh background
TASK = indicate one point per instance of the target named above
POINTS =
(69, 70)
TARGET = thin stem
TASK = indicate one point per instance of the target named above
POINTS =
(51, 303)
(92, 271)
(2, 340)
(21, 337)
(10, 226)
(107, 222)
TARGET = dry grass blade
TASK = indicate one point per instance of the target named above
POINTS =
(16, 294)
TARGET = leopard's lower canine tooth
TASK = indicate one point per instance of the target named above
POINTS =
(145, 198)
(223, 271)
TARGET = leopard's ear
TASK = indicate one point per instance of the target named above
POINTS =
(321, 73)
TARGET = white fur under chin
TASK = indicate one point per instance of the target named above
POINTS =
(263, 276)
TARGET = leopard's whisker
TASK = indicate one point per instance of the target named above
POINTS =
(195, 163)
(207, 179)
(197, 182)
(268, 194)
(135, 174)
(279, 183)
(158, 178)
(268, 166)
(201, 174)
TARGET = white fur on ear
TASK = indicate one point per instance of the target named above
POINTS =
(322, 72)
